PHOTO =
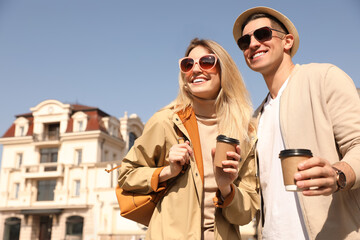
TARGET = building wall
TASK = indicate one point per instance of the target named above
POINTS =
(103, 147)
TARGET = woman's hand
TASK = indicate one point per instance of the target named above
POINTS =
(179, 155)
(226, 176)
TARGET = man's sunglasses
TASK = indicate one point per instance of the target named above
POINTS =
(261, 34)
(206, 63)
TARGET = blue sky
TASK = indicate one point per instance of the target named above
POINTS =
(123, 55)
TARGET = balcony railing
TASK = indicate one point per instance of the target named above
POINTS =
(48, 136)
(44, 170)
(47, 139)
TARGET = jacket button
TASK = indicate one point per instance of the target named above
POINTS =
(196, 174)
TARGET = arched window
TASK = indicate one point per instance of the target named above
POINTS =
(74, 227)
(12, 228)
(132, 138)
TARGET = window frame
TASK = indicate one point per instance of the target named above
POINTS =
(78, 156)
(76, 188)
(48, 190)
(49, 153)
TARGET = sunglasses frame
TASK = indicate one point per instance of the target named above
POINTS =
(254, 34)
(197, 61)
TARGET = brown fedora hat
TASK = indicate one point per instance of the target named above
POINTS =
(237, 31)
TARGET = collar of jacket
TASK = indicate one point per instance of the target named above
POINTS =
(258, 111)
(189, 121)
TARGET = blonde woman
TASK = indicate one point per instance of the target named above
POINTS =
(205, 202)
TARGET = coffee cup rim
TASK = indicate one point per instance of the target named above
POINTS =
(295, 152)
(223, 138)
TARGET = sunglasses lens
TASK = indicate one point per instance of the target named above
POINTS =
(263, 34)
(244, 42)
(186, 64)
(207, 62)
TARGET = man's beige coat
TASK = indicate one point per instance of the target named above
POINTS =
(320, 110)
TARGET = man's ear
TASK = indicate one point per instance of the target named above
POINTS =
(289, 42)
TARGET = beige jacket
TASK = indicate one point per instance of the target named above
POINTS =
(178, 214)
(320, 110)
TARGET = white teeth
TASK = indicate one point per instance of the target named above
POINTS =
(198, 80)
(258, 54)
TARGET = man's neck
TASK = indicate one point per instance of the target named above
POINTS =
(274, 80)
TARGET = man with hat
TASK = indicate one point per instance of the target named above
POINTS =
(312, 106)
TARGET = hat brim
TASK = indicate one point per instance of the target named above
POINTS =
(237, 31)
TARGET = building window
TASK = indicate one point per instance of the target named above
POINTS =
(21, 126)
(74, 227)
(53, 131)
(80, 126)
(46, 190)
(19, 159)
(80, 121)
(12, 228)
(22, 131)
(76, 188)
(16, 190)
(78, 156)
(48, 155)
(114, 131)
(132, 138)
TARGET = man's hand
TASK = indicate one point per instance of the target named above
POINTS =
(316, 176)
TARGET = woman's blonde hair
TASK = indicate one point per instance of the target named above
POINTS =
(233, 105)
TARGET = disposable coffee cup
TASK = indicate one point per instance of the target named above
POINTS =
(290, 158)
(224, 144)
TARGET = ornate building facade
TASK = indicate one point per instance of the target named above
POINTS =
(53, 184)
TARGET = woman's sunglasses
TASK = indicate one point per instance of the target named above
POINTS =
(206, 63)
(262, 34)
